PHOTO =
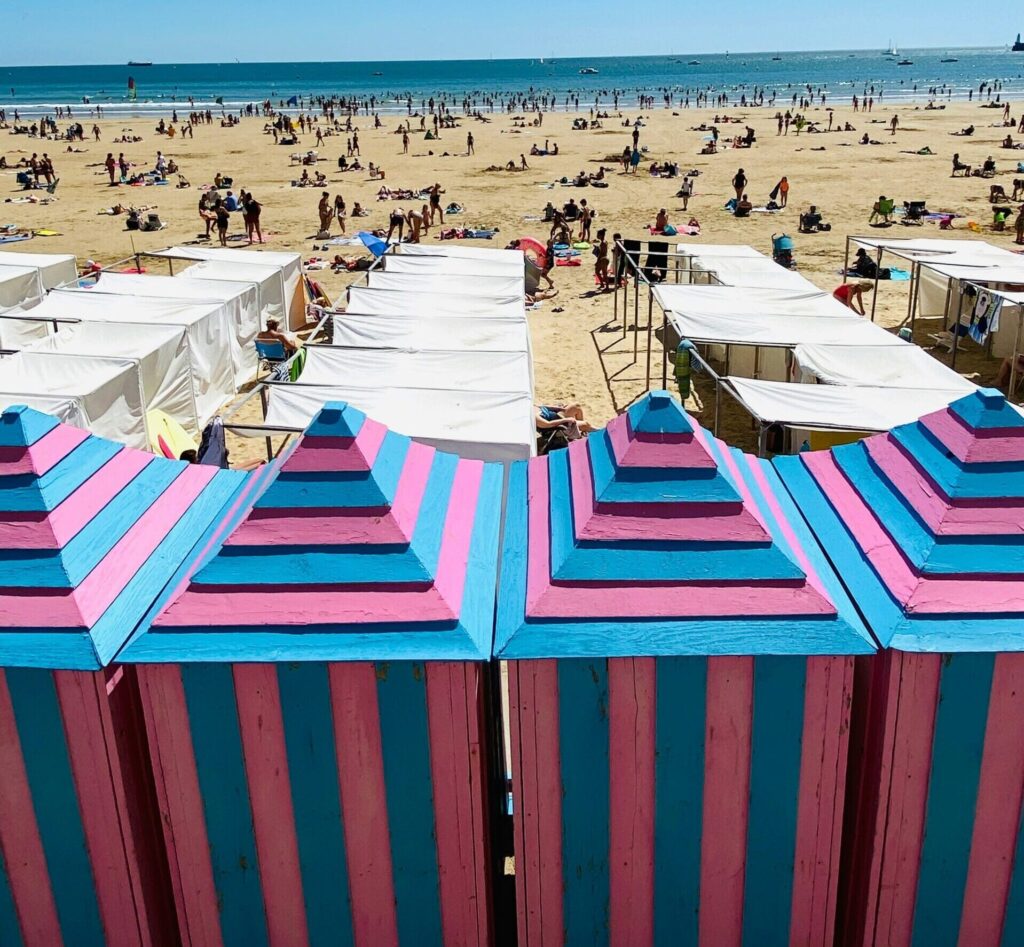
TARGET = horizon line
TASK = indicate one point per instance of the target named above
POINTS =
(323, 62)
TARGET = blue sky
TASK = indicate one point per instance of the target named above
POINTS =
(102, 31)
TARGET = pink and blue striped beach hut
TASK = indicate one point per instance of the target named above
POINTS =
(90, 532)
(680, 672)
(314, 691)
(926, 526)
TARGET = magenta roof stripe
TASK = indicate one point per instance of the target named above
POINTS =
(685, 549)
(359, 544)
(924, 525)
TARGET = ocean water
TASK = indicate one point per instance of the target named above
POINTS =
(34, 90)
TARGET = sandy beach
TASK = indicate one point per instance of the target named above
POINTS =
(576, 353)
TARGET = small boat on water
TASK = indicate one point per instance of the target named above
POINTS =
(588, 71)
(892, 50)
(949, 60)
(693, 62)
(905, 62)
(132, 62)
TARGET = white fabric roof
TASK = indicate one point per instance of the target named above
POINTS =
(496, 426)
(241, 298)
(438, 333)
(967, 251)
(208, 326)
(452, 265)
(17, 332)
(54, 268)
(460, 370)
(107, 391)
(882, 366)
(20, 286)
(730, 300)
(428, 282)
(988, 272)
(838, 408)
(67, 410)
(701, 250)
(268, 281)
(459, 251)
(162, 353)
(285, 304)
(759, 272)
(365, 299)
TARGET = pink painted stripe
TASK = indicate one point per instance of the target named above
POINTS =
(27, 872)
(338, 454)
(55, 529)
(537, 795)
(620, 600)
(631, 754)
(995, 516)
(921, 596)
(341, 526)
(216, 608)
(453, 561)
(678, 521)
(266, 768)
(103, 806)
(998, 809)
(363, 803)
(457, 776)
(902, 825)
(975, 447)
(827, 697)
(632, 451)
(44, 454)
(181, 806)
(730, 701)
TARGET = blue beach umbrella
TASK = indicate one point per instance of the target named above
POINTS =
(374, 244)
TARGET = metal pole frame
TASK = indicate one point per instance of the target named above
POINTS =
(956, 330)
(878, 269)
(1016, 349)
(846, 259)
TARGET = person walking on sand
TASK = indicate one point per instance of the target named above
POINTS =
(894, 124)
(1019, 227)
(110, 165)
(470, 150)
(405, 143)
(435, 203)
(739, 183)
(601, 261)
(223, 219)
(783, 192)
(252, 217)
(586, 216)
(339, 211)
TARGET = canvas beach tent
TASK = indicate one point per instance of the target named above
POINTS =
(55, 269)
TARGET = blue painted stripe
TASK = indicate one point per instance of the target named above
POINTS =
(511, 610)
(583, 748)
(987, 409)
(55, 800)
(10, 931)
(342, 488)
(66, 568)
(28, 492)
(478, 592)
(123, 615)
(960, 721)
(405, 746)
(659, 414)
(638, 560)
(313, 770)
(614, 484)
(217, 745)
(679, 797)
(22, 427)
(1013, 921)
(776, 738)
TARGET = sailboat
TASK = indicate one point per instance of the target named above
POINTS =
(892, 50)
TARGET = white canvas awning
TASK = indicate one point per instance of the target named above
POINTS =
(19, 329)
(241, 299)
(107, 391)
(427, 283)
(208, 327)
(403, 331)
(20, 286)
(759, 272)
(882, 366)
(455, 266)
(951, 250)
(286, 302)
(64, 409)
(161, 351)
(831, 407)
(493, 426)
(939, 279)
(461, 251)
(55, 269)
(435, 305)
(457, 370)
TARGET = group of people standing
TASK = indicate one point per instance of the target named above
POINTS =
(217, 210)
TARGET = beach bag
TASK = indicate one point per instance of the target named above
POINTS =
(670, 231)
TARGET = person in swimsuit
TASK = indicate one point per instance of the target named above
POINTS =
(223, 219)
(397, 222)
(852, 294)
(339, 211)
(601, 260)
(739, 183)
(252, 217)
(435, 203)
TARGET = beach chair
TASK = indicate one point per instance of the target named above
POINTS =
(270, 353)
(883, 211)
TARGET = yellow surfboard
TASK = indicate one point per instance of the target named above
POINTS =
(167, 438)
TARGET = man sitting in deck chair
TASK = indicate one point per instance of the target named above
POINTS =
(272, 333)
(559, 424)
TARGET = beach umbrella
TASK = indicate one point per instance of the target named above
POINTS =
(925, 524)
(318, 689)
(374, 244)
(680, 670)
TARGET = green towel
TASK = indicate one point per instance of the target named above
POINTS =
(298, 363)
